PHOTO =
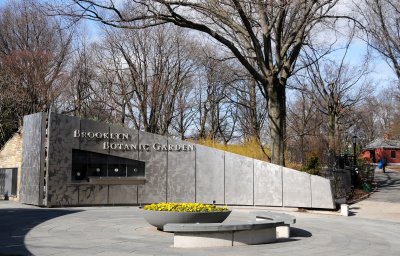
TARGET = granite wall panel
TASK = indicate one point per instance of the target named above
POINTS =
(32, 160)
(155, 189)
(29, 193)
(93, 194)
(296, 188)
(267, 184)
(209, 175)
(321, 191)
(238, 179)
(122, 194)
(60, 192)
(181, 171)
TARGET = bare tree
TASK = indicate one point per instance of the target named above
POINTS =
(76, 98)
(142, 73)
(214, 77)
(185, 112)
(388, 113)
(252, 117)
(33, 53)
(382, 22)
(367, 119)
(304, 124)
(249, 101)
(223, 98)
(378, 116)
(9, 119)
(336, 88)
(266, 37)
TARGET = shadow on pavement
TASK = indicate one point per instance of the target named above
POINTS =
(295, 234)
(15, 223)
(352, 213)
(389, 179)
(353, 210)
(298, 232)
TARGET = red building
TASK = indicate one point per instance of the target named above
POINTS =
(389, 148)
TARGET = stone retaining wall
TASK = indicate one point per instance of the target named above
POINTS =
(201, 175)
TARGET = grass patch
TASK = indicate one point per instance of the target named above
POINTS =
(249, 148)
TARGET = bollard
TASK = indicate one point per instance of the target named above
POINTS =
(344, 209)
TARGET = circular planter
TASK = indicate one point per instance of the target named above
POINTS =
(160, 218)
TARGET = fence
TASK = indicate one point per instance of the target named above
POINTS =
(345, 180)
(341, 181)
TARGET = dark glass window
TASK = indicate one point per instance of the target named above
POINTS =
(86, 164)
(97, 164)
(393, 154)
(79, 165)
(116, 166)
(134, 168)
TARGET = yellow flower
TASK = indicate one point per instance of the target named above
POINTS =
(184, 207)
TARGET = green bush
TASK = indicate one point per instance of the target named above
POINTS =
(312, 166)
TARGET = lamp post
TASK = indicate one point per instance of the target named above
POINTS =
(354, 150)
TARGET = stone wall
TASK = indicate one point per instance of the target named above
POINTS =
(11, 155)
(33, 159)
(202, 175)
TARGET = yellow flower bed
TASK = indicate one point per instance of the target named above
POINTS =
(185, 207)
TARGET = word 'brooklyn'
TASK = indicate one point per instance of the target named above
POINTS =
(101, 135)
(147, 147)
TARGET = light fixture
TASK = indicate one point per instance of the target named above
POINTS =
(97, 169)
(116, 170)
(354, 138)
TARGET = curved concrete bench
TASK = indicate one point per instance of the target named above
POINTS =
(223, 234)
(282, 230)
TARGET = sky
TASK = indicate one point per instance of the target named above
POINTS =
(381, 72)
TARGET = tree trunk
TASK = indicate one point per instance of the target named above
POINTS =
(254, 122)
(255, 131)
(332, 138)
(277, 121)
(302, 146)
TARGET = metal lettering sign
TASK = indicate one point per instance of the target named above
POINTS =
(129, 146)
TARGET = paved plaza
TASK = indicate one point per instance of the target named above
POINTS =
(372, 229)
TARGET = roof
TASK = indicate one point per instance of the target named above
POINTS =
(382, 143)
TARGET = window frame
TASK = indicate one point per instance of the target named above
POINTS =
(82, 161)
